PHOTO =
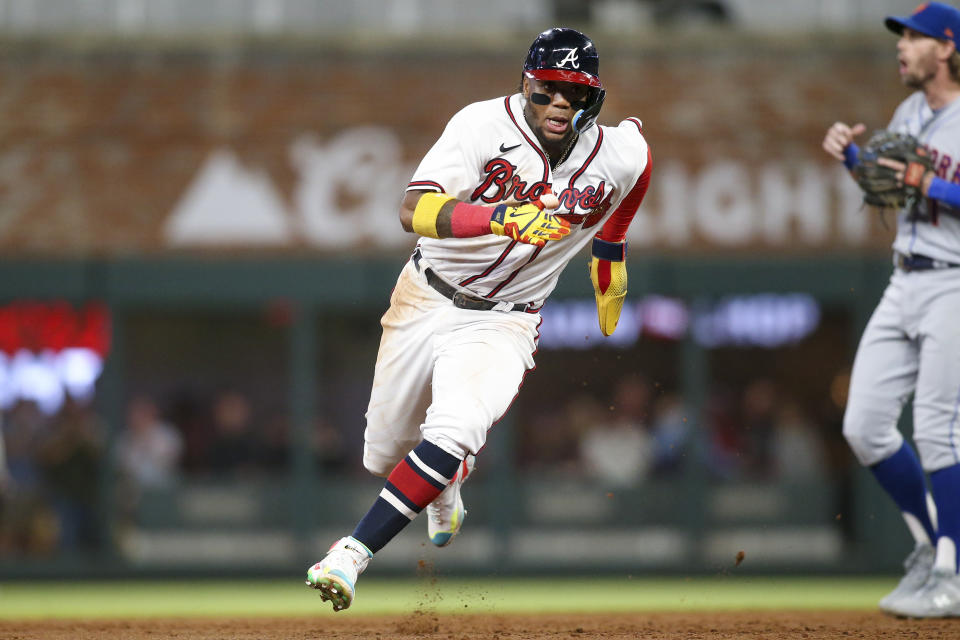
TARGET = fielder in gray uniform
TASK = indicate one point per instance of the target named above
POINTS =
(912, 342)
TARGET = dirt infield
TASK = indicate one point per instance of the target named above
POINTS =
(804, 625)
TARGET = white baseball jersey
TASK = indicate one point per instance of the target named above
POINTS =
(447, 374)
(933, 229)
(488, 155)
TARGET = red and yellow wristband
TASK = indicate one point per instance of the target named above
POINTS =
(466, 220)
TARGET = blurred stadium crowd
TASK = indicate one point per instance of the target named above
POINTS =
(636, 432)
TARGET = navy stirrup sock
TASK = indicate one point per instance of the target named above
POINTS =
(946, 495)
(413, 484)
(902, 477)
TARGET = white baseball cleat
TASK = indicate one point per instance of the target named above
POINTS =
(917, 569)
(938, 598)
(335, 577)
(446, 513)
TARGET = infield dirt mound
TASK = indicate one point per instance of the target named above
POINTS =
(806, 625)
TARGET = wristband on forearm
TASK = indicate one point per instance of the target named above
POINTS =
(470, 220)
(426, 212)
(608, 273)
(611, 251)
(466, 220)
(946, 192)
(851, 155)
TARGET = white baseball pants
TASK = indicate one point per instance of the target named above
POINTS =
(443, 374)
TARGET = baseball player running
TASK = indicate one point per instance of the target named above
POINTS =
(509, 194)
(912, 342)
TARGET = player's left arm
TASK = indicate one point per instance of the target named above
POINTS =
(931, 185)
(608, 269)
(937, 188)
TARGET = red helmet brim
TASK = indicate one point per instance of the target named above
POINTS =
(564, 75)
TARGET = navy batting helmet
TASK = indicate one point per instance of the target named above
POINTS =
(566, 55)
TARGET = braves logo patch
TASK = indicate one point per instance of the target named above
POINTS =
(570, 58)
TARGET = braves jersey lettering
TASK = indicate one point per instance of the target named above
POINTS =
(589, 198)
(590, 219)
(506, 184)
(595, 177)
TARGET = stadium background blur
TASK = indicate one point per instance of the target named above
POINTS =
(197, 217)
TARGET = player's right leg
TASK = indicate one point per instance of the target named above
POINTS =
(936, 431)
(416, 471)
(884, 375)
(480, 366)
(401, 392)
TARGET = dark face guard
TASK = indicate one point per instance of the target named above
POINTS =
(587, 115)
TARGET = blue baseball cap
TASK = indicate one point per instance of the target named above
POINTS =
(933, 19)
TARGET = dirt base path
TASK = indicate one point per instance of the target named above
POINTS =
(766, 625)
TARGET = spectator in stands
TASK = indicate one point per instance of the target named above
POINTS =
(329, 447)
(23, 519)
(273, 453)
(758, 417)
(23, 431)
(723, 453)
(797, 452)
(70, 458)
(670, 431)
(234, 445)
(191, 413)
(617, 447)
(149, 449)
(548, 437)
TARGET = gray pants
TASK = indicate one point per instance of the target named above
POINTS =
(910, 346)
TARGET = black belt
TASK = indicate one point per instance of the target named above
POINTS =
(917, 262)
(460, 299)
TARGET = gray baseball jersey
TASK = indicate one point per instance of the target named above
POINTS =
(933, 228)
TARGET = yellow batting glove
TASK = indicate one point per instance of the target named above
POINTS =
(528, 223)
(608, 273)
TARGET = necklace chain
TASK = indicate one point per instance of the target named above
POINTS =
(566, 151)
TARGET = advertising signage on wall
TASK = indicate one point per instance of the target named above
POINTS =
(128, 150)
(763, 320)
(50, 350)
